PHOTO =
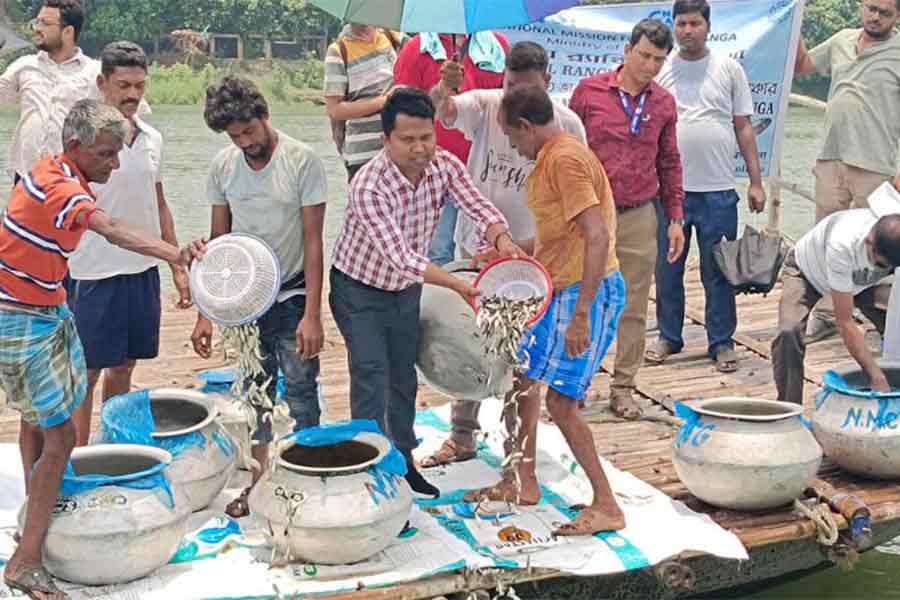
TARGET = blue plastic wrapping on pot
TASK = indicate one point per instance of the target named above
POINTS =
(835, 382)
(335, 433)
(219, 381)
(148, 479)
(127, 419)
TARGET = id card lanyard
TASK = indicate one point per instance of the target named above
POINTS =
(634, 115)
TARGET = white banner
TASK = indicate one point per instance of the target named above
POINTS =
(761, 35)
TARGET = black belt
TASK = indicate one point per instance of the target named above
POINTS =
(622, 209)
(298, 281)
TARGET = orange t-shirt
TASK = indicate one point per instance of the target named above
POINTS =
(40, 232)
(568, 179)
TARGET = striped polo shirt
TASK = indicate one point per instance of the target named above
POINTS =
(369, 72)
(39, 231)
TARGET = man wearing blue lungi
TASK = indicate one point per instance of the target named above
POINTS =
(575, 221)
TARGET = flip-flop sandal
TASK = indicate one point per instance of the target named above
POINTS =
(588, 522)
(726, 360)
(504, 491)
(624, 406)
(34, 581)
(659, 352)
(449, 452)
(486, 511)
(239, 507)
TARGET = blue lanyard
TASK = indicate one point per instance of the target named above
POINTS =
(634, 115)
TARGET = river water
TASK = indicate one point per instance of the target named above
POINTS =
(190, 145)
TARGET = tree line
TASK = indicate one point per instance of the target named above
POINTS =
(146, 21)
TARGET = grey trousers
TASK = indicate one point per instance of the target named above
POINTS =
(381, 330)
(464, 422)
(798, 298)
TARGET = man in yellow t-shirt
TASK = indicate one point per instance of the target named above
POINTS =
(575, 223)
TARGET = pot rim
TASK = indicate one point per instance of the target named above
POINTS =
(192, 397)
(381, 444)
(707, 407)
(100, 450)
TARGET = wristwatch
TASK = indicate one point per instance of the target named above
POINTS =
(679, 222)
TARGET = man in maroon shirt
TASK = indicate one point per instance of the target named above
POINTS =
(630, 123)
(476, 62)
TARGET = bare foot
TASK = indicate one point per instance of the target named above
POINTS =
(505, 491)
(593, 520)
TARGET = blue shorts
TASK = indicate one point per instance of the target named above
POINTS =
(546, 342)
(117, 318)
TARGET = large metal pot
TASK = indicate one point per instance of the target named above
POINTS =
(325, 504)
(114, 534)
(859, 433)
(204, 470)
(746, 454)
(451, 357)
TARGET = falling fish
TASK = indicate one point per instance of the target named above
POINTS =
(760, 125)
(502, 322)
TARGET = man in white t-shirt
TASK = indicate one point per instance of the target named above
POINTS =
(115, 293)
(843, 257)
(714, 109)
(499, 172)
(270, 185)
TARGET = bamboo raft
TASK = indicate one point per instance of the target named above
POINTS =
(779, 542)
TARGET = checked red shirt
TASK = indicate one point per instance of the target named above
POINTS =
(389, 223)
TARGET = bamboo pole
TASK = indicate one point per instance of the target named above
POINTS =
(808, 102)
(774, 225)
(791, 187)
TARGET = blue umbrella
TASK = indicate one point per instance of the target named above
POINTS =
(443, 16)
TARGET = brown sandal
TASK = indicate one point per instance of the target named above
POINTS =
(590, 521)
(449, 452)
(503, 491)
(239, 507)
(624, 406)
(34, 581)
(659, 352)
(726, 360)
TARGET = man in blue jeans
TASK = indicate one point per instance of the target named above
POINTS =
(714, 108)
(270, 185)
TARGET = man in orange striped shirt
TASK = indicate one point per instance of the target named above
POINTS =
(42, 368)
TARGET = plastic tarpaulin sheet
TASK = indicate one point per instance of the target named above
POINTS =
(220, 559)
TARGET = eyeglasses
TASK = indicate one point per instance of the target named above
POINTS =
(881, 12)
(41, 23)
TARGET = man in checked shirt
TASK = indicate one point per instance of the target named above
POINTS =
(380, 263)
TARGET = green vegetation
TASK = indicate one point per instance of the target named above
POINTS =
(144, 21)
(180, 84)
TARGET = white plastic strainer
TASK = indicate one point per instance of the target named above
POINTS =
(237, 280)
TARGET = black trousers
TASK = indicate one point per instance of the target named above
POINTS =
(381, 330)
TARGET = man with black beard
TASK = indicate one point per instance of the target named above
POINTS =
(862, 119)
(274, 187)
(47, 84)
